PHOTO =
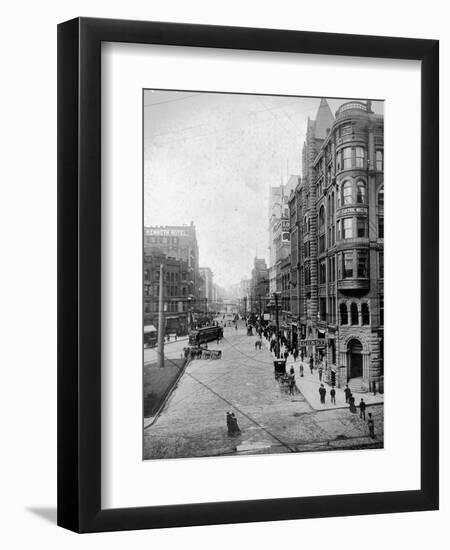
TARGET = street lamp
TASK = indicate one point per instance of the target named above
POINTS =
(191, 324)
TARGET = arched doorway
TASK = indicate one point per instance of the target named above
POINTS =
(355, 358)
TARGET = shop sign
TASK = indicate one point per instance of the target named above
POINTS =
(320, 342)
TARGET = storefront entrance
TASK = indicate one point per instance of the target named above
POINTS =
(355, 359)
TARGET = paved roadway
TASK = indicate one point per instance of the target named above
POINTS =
(193, 421)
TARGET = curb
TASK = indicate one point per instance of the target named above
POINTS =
(150, 420)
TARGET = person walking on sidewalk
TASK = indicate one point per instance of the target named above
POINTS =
(322, 392)
(371, 426)
(311, 364)
(301, 369)
(235, 430)
(320, 373)
(229, 423)
(348, 393)
(362, 409)
(333, 396)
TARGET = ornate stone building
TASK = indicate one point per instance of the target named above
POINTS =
(337, 218)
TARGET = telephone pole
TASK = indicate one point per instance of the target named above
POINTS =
(278, 324)
(161, 318)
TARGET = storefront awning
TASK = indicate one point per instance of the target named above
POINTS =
(149, 328)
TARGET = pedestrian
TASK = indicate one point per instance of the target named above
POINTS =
(229, 423)
(295, 354)
(301, 369)
(320, 374)
(333, 396)
(351, 400)
(291, 384)
(234, 425)
(311, 364)
(347, 392)
(362, 409)
(302, 355)
(322, 392)
(291, 370)
(371, 426)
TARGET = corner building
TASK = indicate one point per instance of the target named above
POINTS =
(339, 225)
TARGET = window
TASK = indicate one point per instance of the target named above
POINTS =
(347, 156)
(354, 314)
(338, 161)
(307, 276)
(347, 227)
(321, 244)
(347, 265)
(323, 309)
(360, 192)
(382, 311)
(381, 227)
(380, 198)
(365, 317)
(338, 193)
(347, 193)
(361, 227)
(322, 273)
(360, 157)
(362, 264)
(379, 160)
(381, 265)
(321, 216)
(338, 225)
(344, 314)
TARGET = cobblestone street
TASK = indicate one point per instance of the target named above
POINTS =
(193, 420)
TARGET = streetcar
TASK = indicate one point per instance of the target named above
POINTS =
(205, 334)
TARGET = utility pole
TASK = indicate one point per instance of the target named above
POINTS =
(259, 297)
(161, 318)
(278, 324)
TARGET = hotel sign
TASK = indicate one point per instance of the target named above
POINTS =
(352, 210)
(167, 232)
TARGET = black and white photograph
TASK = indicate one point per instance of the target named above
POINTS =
(263, 274)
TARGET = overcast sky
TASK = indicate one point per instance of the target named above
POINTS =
(211, 159)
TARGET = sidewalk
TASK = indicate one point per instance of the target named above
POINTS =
(309, 387)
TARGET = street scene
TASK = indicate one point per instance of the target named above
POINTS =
(263, 275)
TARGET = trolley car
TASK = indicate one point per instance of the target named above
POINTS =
(204, 335)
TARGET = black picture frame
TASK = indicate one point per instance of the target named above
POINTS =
(79, 274)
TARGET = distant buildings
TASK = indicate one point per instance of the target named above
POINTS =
(259, 286)
(187, 288)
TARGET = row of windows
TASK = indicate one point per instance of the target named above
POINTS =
(162, 240)
(169, 275)
(355, 157)
(350, 193)
(171, 307)
(354, 316)
(352, 263)
(169, 290)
